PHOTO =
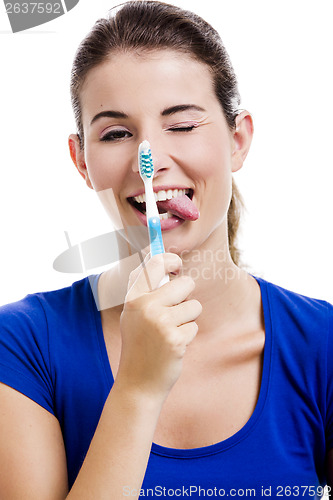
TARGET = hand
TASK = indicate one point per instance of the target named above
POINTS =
(156, 326)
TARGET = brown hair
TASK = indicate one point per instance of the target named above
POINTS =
(150, 25)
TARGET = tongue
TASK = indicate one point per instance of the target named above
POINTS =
(181, 206)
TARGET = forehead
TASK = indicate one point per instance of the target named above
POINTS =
(156, 78)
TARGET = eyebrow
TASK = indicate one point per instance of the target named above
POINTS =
(166, 112)
(179, 108)
(109, 114)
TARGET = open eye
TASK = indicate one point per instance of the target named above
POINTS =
(115, 135)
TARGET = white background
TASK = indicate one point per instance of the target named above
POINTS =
(282, 54)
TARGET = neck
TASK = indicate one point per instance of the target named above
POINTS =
(220, 284)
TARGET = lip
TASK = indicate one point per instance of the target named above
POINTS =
(166, 224)
(156, 189)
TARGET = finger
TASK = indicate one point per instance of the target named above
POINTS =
(188, 332)
(176, 291)
(152, 273)
(186, 312)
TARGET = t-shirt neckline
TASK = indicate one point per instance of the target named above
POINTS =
(249, 425)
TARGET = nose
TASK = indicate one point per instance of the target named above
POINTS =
(161, 160)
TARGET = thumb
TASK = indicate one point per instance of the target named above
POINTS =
(151, 273)
(135, 273)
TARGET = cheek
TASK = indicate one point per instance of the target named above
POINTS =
(214, 167)
(211, 161)
(105, 170)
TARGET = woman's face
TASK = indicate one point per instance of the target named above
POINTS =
(168, 99)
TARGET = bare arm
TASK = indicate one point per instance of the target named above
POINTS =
(32, 454)
(156, 326)
(119, 452)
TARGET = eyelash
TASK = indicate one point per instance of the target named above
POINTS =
(110, 136)
(182, 129)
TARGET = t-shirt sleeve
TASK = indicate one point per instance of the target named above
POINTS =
(329, 407)
(24, 351)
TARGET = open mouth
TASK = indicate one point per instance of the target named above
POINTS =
(139, 202)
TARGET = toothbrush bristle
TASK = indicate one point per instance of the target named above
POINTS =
(146, 162)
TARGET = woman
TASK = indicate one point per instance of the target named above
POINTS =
(217, 383)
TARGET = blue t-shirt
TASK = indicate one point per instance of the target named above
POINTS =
(52, 350)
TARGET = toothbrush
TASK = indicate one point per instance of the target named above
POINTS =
(146, 169)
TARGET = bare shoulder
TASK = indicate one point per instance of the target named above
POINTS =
(32, 454)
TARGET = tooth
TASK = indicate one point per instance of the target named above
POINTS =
(161, 195)
(166, 215)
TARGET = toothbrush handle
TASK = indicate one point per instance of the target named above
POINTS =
(156, 242)
(155, 236)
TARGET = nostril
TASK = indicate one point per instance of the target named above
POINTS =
(159, 169)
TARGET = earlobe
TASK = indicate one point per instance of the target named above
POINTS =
(242, 138)
(77, 155)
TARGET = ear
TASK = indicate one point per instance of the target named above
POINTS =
(242, 138)
(77, 155)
